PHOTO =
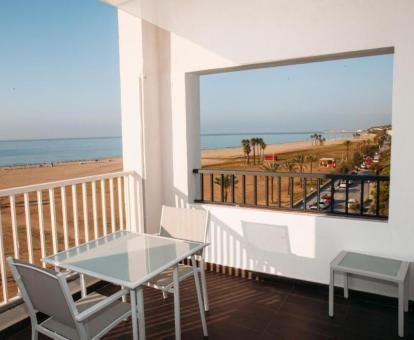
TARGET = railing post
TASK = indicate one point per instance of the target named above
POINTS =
(304, 193)
(233, 192)
(211, 188)
(332, 194)
(222, 187)
(244, 188)
(361, 201)
(377, 199)
(202, 187)
(267, 190)
(279, 191)
(318, 195)
(346, 196)
(291, 191)
(255, 190)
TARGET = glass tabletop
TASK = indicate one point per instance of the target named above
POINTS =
(369, 263)
(125, 258)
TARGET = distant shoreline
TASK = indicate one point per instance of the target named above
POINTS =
(53, 164)
(48, 139)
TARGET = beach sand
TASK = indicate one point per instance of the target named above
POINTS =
(36, 174)
(217, 156)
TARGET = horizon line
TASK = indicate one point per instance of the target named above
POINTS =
(62, 138)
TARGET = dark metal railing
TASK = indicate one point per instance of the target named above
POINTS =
(338, 194)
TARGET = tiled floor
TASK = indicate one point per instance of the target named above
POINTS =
(248, 309)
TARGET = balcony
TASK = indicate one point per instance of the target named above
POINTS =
(39, 220)
(261, 308)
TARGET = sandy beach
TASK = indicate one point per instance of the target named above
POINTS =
(41, 173)
(217, 156)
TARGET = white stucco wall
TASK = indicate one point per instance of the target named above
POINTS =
(211, 35)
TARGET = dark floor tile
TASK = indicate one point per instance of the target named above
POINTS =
(250, 309)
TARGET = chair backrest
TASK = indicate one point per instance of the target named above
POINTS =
(44, 290)
(185, 224)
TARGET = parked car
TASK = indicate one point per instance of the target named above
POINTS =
(326, 198)
(322, 205)
(342, 185)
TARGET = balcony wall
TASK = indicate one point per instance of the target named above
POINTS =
(160, 67)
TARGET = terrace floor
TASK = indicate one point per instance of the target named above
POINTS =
(250, 309)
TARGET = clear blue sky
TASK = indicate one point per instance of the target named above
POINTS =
(59, 69)
(342, 94)
(59, 77)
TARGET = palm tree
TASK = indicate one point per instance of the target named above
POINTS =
(246, 149)
(253, 143)
(227, 183)
(311, 158)
(271, 167)
(290, 167)
(262, 147)
(300, 161)
(347, 144)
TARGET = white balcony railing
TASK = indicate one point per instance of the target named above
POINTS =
(42, 219)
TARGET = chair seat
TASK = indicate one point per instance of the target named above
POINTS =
(94, 324)
(165, 279)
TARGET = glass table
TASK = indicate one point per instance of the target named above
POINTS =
(131, 260)
(374, 267)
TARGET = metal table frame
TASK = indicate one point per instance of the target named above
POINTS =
(401, 280)
(136, 287)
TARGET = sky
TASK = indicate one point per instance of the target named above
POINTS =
(343, 94)
(59, 69)
(59, 78)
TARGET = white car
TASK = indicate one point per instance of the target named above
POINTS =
(322, 205)
(342, 185)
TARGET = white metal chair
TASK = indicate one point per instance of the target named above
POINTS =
(47, 291)
(184, 224)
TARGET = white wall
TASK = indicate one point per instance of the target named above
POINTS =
(211, 35)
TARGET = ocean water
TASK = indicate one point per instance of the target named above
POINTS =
(24, 152)
(216, 141)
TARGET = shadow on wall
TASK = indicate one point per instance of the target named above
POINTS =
(255, 246)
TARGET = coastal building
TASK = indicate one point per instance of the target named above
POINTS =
(164, 48)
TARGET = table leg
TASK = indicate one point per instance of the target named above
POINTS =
(82, 285)
(331, 293)
(199, 296)
(133, 300)
(401, 303)
(177, 304)
(141, 317)
(346, 292)
(407, 293)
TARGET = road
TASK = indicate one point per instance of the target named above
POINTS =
(354, 193)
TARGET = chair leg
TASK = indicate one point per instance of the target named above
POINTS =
(199, 296)
(204, 285)
(34, 334)
(33, 321)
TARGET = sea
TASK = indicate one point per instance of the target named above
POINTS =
(42, 151)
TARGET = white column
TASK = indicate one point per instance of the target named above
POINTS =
(138, 50)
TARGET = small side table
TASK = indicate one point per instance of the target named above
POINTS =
(380, 268)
